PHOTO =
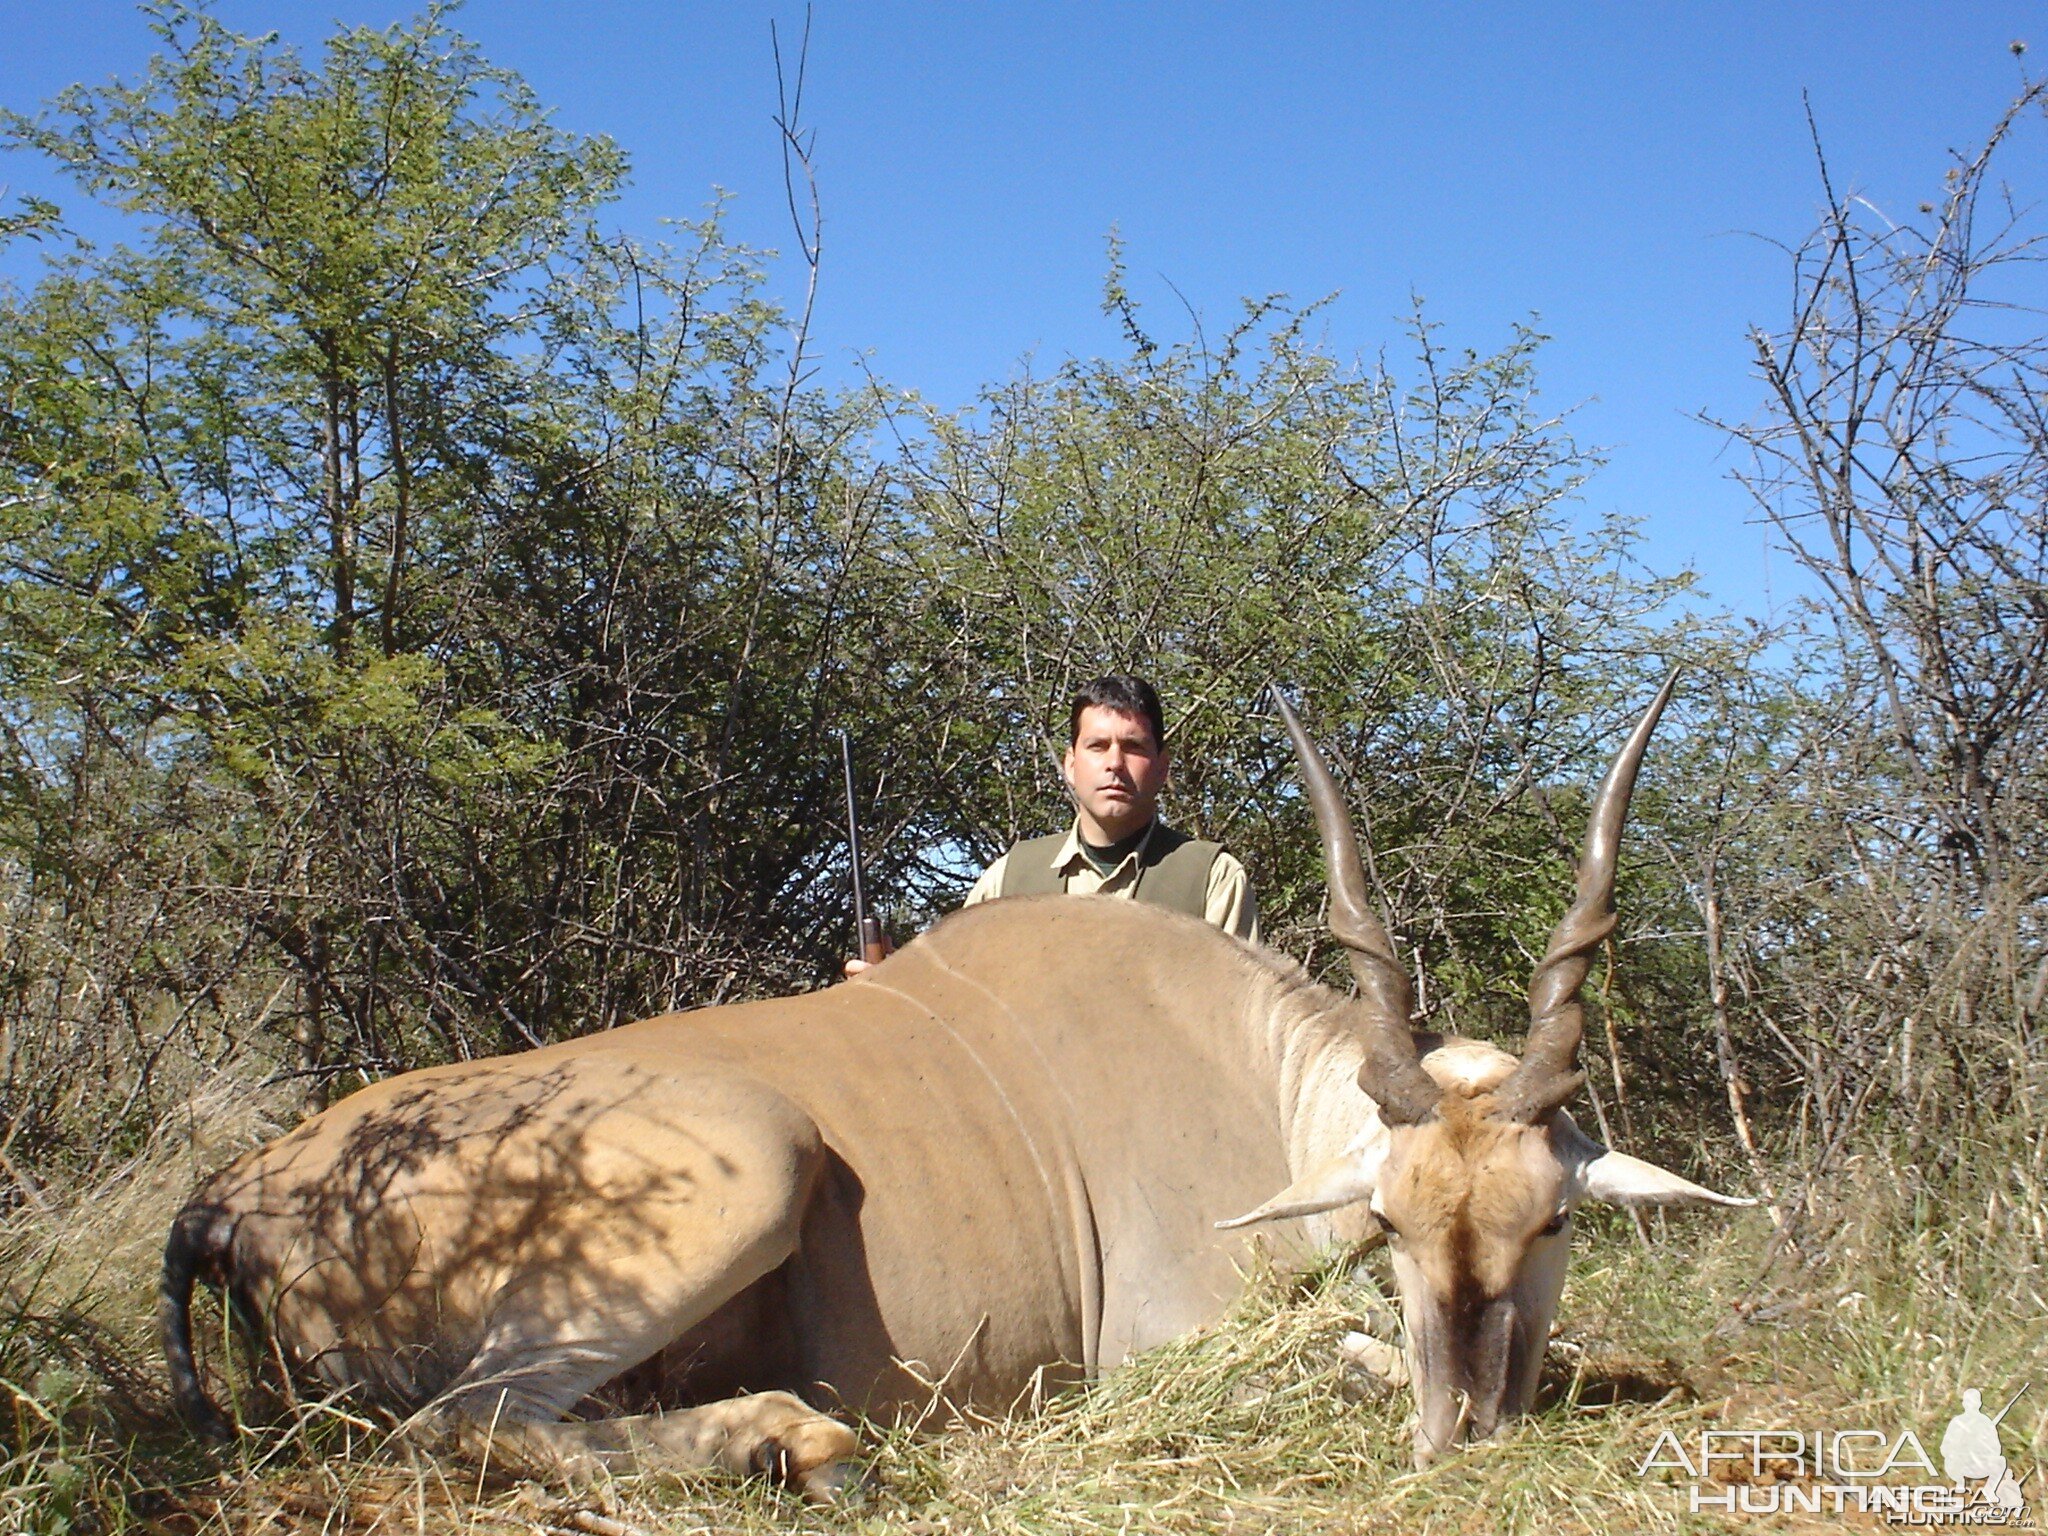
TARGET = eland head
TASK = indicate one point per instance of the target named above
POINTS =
(1470, 1164)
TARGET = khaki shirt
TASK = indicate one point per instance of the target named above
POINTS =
(1230, 904)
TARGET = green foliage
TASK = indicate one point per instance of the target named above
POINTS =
(1398, 552)
(368, 372)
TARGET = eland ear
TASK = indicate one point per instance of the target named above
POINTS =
(1345, 1179)
(1620, 1179)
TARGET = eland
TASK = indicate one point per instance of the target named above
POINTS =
(1015, 1152)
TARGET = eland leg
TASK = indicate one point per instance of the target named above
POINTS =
(1385, 1364)
(1372, 1351)
(582, 1307)
(772, 1434)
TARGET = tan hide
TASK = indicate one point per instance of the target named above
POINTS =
(1001, 1153)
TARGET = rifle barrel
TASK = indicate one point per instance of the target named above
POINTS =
(2010, 1401)
(867, 933)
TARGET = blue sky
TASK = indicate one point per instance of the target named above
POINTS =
(1602, 170)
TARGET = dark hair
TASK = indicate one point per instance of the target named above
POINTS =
(1126, 695)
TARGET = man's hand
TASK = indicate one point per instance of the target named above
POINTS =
(853, 968)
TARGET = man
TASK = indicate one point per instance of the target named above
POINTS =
(1116, 764)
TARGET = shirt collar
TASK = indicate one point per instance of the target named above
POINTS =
(1070, 857)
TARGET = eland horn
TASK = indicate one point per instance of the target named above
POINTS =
(1392, 1073)
(1549, 1075)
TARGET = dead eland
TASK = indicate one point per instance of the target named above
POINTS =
(1019, 1146)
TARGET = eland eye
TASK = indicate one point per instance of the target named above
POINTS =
(1557, 1223)
(1386, 1226)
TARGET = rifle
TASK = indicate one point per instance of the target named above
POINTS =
(867, 930)
(2009, 1402)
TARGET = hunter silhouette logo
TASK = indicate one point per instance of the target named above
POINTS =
(1869, 1471)
(1970, 1453)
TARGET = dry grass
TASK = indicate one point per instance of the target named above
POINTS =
(1251, 1426)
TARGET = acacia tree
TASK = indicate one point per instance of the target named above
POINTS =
(1401, 551)
(331, 256)
(438, 597)
(1903, 459)
(299, 366)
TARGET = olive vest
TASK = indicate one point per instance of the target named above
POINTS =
(1173, 870)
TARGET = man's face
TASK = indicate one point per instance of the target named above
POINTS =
(1116, 770)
